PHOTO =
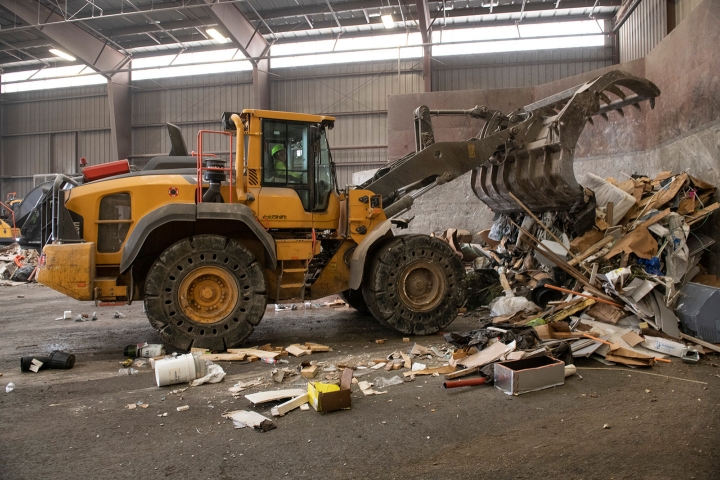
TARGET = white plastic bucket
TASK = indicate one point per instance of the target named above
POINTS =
(180, 369)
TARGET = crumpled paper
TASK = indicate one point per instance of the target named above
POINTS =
(215, 374)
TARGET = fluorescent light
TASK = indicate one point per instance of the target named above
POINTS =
(216, 35)
(388, 21)
(61, 54)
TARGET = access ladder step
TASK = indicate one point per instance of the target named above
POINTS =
(292, 285)
(294, 270)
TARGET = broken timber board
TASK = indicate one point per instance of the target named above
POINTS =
(704, 344)
(592, 250)
(430, 371)
(297, 350)
(284, 408)
(224, 357)
(274, 395)
(655, 219)
(565, 313)
(254, 352)
(461, 373)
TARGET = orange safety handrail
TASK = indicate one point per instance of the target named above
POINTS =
(201, 168)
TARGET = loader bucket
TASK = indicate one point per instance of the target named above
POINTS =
(539, 170)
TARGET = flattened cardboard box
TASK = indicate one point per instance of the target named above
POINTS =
(326, 397)
(529, 374)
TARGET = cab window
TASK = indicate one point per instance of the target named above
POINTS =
(285, 157)
(323, 174)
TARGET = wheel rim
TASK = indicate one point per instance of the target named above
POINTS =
(208, 294)
(422, 286)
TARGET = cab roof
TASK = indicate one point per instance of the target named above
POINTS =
(292, 116)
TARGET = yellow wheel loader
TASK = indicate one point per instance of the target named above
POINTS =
(208, 241)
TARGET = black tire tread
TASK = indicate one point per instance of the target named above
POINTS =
(380, 289)
(163, 280)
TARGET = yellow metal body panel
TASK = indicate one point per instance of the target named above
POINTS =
(147, 193)
(70, 269)
(300, 249)
(335, 277)
(6, 231)
(362, 214)
(282, 208)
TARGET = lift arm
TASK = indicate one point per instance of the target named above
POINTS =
(528, 152)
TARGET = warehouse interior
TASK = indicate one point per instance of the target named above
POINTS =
(84, 83)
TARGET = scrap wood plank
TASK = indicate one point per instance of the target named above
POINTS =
(274, 395)
(544, 227)
(567, 335)
(707, 345)
(316, 347)
(253, 352)
(223, 357)
(461, 373)
(596, 247)
(653, 220)
(430, 371)
(284, 408)
(407, 363)
(701, 214)
(563, 264)
(566, 312)
(297, 350)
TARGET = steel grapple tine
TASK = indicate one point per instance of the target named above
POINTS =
(541, 173)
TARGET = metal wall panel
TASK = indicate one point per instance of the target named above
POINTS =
(23, 157)
(330, 89)
(71, 111)
(683, 9)
(197, 98)
(63, 153)
(644, 29)
(95, 146)
(517, 69)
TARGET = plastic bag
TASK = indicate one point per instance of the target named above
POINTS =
(381, 382)
(510, 305)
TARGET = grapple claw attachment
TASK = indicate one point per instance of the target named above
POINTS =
(539, 169)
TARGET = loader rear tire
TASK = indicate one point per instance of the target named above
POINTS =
(355, 299)
(206, 291)
(414, 284)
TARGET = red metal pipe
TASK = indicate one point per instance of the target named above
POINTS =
(464, 383)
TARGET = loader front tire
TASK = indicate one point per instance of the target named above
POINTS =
(206, 291)
(414, 284)
(355, 299)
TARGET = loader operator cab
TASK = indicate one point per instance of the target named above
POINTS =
(296, 156)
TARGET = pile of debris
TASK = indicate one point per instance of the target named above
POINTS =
(17, 265)
(618, 278)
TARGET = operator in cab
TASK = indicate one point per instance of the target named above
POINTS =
(280, 159)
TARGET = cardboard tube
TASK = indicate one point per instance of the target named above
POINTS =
(464, 383)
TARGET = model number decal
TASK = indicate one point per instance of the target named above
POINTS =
(274, 217)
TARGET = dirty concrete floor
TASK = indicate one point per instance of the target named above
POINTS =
(63, 424)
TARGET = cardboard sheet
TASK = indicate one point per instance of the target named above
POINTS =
(639, 241)
(487, 355)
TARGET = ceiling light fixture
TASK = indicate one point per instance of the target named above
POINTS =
(61, 54)
(388, 21)
(216, 35)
